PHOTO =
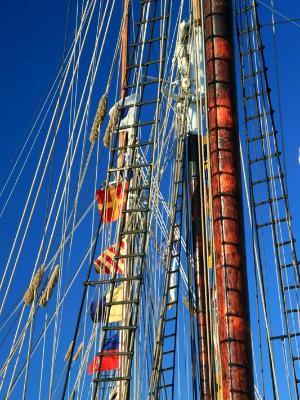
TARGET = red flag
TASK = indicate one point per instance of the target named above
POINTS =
(106, 263)
(108, 363)
(112, 201)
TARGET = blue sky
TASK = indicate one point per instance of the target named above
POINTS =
(31, 43)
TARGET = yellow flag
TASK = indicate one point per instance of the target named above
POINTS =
(115, 314)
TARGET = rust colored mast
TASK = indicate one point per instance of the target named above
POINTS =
(194, 188)
(233, 307)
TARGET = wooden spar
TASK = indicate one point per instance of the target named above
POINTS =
(122, 389)
(124, 57)
(233, 307)
(194, 187)
(124, 48)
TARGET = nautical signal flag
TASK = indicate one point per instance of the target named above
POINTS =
(112, 201)
(97, 307)
(106, 264)
(109, 362)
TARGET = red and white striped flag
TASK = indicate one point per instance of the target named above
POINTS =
(107, 264)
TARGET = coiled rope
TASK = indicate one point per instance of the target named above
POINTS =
(99, 117)
(50, 286)
(34, 285)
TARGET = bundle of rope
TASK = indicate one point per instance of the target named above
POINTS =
(111, 126)
(79, 350)
(49, 288)
(34, 285)
(99, 117)
(68, 353)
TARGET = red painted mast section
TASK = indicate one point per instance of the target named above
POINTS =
(194, 187)
(233, 308)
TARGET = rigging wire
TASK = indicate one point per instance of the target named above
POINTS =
(287, 19)
(81, 310)
(38, 341)
(276, 59)
(20, 151)
(86, 287)
(277, 232)
(159, 215)
(71, 283)
(64, 58)
(32, 185)
(43, 357)
(79, 186)
(273, 23)
(272, 190)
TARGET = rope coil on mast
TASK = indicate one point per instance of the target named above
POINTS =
(79, 350)
(99, 117)
(34, 285)
(68, 353)
(49, 288)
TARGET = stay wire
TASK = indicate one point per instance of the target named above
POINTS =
(275, 232)
(81, 310)
(252, 215)
(285, 17)
(276, 58)
(43, 332)
(63, 62)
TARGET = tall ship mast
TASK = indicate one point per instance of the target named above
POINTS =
(151, 252)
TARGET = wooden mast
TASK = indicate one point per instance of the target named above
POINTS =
(232, 292)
